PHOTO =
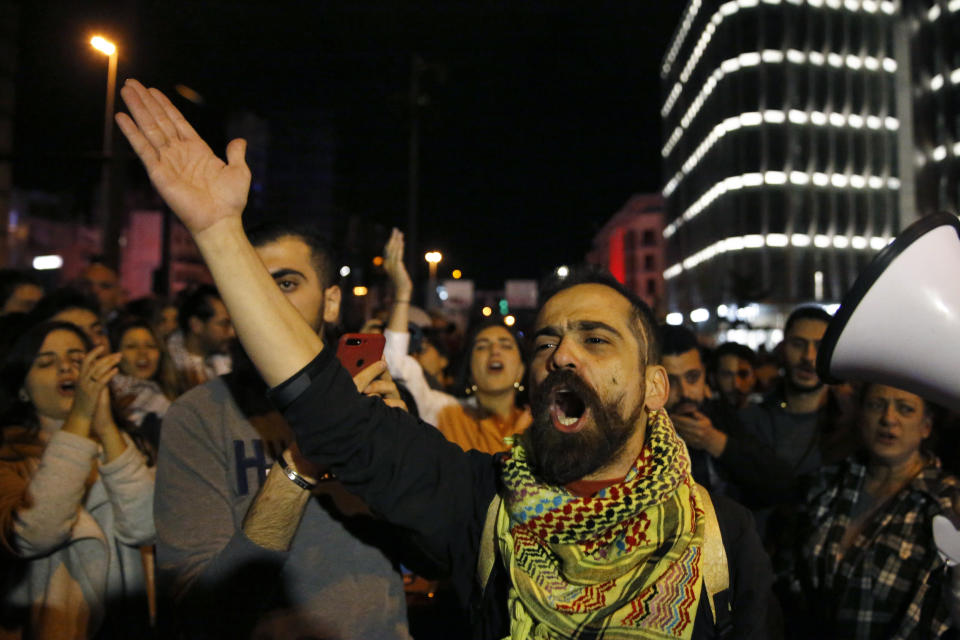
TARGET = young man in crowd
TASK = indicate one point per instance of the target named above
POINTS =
(104, 283)
(734, 372)
(724, 458)
(281, 552)
(591, 526)
(200, 348)
(20, 291)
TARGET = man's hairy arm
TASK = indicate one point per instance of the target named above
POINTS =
(208, 196)
(275, 514)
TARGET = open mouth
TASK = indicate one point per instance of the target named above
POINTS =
(886, 437)
(67, 387)
(567, 410)
(495, 366)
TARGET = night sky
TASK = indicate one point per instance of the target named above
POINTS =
(543, 115)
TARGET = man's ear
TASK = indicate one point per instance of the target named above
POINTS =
(331, 304)
(657, 386)
(196, 325)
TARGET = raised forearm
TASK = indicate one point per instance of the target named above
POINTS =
(275, 514)
(274, 334)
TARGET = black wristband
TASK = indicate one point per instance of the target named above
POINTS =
(297, 479)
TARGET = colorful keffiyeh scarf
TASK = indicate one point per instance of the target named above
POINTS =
(622, 564)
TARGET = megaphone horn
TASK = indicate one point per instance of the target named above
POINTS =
(900, 322)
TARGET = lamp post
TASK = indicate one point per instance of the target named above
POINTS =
(110, 226)
(433, 258)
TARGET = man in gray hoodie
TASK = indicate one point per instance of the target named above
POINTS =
(253, 541)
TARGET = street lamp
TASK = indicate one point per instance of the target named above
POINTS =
(111, 230)
(433, 258)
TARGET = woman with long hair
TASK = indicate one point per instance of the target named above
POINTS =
(866, 565)
(147, 381)
(76, 496)
(490, 412)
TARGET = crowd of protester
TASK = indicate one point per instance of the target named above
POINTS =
(153, 485)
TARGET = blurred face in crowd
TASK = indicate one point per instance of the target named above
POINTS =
(140, 353)
(735, 379)
(688, 382)
(591, 384)
(23, 299)
(800, 346)
(215, 334)
(495, 362)
(103, 283)
(290, 261)
(432, 361)
(51, 381)
(168, 321)
(89, 323)
(893, 424)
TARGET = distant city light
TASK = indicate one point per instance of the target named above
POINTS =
(699, 315)
(722, 311)
(675, 319)
(563, 271)
(45, 263)
(442, 293)
(486, 312)
(457, 274)
(433, 257)
(377, 261)
(360, 291)
(509, 321)
(344, 271)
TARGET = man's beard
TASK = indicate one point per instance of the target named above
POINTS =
(559, 458)
(685, 406)
(795, 387)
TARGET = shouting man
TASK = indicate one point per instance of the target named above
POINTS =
(589, 527)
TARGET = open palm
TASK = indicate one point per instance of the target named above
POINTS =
(200, 188)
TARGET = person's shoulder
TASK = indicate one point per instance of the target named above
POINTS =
(731, 515)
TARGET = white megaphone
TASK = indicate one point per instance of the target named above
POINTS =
(900, 323)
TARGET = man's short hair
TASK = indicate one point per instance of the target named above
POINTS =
(321, 252)
(675, 340)
(197, 303)
(11, 279)
(807, 312)
(62, 299)
(644, 324)
(741, 351)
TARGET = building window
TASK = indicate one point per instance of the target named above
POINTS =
(649, 264)
(651, 287)
(649, 239)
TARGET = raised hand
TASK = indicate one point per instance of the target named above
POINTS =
(393, 265)
(375, 380)
(200, 188)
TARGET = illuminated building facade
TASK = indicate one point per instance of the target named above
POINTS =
(780, 150)
(934, 28)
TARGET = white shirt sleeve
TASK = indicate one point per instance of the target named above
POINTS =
(406, 369)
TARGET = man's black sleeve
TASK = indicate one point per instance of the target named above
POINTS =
(404, 469)
(755, 610)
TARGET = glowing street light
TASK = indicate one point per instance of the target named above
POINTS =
(509, 321)
(433, 258)
(359, 291)
(103, 45)
(344, 271)
(486, 312)
(111, 227)
(563, 271)
(457, 274)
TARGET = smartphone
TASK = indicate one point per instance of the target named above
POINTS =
(357, 351)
